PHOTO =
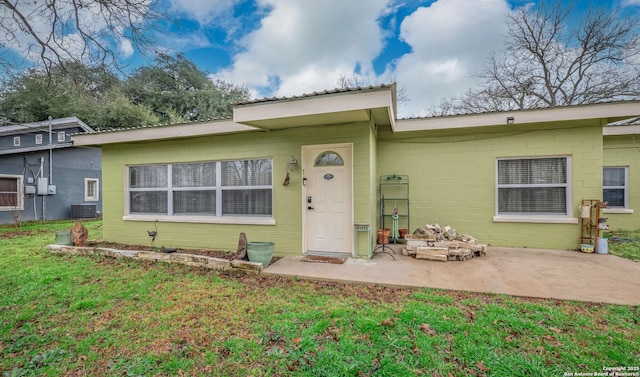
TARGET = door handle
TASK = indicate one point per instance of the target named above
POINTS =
(309, 207)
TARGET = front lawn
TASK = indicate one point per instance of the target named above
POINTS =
(90, 316)
(624, 243)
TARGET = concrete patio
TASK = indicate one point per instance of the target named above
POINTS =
(556, 274)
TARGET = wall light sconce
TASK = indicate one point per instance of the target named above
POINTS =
(293, 163)
(510, 120)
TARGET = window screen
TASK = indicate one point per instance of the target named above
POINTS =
(10, 198)
(246, 173)
(532, 186)
(246, 202)
(214, 188)
(194, 175)
(614, 186)
(148, 176)
(148, 202)
(196, 202)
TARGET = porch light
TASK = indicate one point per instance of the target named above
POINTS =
(293, 163)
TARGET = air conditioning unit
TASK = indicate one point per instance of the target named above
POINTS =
(83, 211)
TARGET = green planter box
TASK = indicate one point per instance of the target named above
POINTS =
(63, 237)
(260, 252)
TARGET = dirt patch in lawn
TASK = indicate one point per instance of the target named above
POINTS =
(10, 234)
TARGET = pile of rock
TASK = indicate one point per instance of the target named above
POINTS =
(434, 242)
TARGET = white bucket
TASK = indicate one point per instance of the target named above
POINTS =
(603, 245)
(585, 211)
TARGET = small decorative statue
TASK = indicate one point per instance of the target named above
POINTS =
(79, 234)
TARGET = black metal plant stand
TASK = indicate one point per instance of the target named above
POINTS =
(393, 189)
(382, 249)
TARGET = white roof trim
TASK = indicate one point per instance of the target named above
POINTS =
(321, 104)
(554, 114)
(620, 130)
(43, 126)
(34, 148)
(159, 133)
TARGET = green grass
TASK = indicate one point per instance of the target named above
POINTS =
(627, 244)
(73, 316)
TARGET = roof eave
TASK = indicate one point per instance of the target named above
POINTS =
(348, 106)
(43, 126)
(553, 114)
(620, 130)
(160, 133)
(34, 148)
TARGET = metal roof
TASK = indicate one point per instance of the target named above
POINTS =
(56, 124)
(315, 94)
(518, 110)
(121, 129)
(626, 122)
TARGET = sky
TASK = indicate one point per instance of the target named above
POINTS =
(431, 49)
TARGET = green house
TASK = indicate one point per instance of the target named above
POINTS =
(302, 171)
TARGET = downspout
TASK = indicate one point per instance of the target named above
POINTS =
(40, 173)
(35, 206)
(50, 169)
(50, 153)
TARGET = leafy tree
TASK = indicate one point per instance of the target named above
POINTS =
(93, 94)
(545, 63)
(176, 90)
(171, 90)
(55, 33)
(119, 112)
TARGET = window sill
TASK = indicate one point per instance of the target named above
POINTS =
(535, 219)
(203, 219)
(617, 210)
(6, 209)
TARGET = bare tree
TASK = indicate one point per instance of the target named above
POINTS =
(357, 81)
(56, 32)
(545, 63)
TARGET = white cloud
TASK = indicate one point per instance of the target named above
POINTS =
(450, 41)
(628, 3)
(126, 48)
(204, 11)
(302, 46)
(184, 42)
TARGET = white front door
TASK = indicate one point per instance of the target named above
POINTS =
(328, 198)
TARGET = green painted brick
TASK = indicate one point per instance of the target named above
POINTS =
(278, 145)
(452, 178)
(456, 186)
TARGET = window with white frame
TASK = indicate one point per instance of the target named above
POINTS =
(533, 186)
(91, 189)
(38, 138)
(615, 186)
(62, 137)
(213, 188)
(16, 141)
(10, 193)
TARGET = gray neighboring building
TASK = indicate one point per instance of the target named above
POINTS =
(43, 176)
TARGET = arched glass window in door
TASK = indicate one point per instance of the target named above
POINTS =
(329, 158)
